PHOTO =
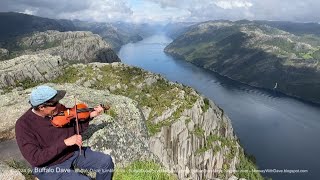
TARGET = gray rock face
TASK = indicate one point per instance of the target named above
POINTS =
(3, 53)
(12, 106)
(177, 145)
(7, 172)
(79, 46)
(123, 145)
(123, 136)
(33, 68)
(199, 144)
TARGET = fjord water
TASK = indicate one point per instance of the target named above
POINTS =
(280, 131)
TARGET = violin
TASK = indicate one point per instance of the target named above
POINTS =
(79, 111)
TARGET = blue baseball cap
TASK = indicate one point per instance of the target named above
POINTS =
(42, 94)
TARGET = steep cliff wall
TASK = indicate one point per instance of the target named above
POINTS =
(79, 46)
(41, 56)
(29, 69)
(150, 119)
(195, 145)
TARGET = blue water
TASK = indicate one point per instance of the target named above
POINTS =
(280, 131)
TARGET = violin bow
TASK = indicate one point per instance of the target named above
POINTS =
(77, 122)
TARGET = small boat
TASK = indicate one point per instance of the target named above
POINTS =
(275, 86)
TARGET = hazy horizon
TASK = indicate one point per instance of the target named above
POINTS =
(166, 11)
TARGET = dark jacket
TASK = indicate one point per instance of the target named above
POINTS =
(42, 144)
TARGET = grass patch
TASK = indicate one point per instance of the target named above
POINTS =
(209, 140)
(127, 81)
(69, 75)
(206, 105)
(22, 167)
(246, 168)
(198, 132)
(155, 128)
(27, 83)
(112, 113)
(187, 121)
(143, 170)
(6, 89)
(201, 150)
(307, 56)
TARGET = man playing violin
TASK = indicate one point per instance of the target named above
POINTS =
(54, 152)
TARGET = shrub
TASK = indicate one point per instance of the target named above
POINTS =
(143, 170)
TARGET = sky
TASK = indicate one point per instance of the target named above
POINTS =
(168, 10)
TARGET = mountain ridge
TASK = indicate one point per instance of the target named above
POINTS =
(255, 54)
(18, 25)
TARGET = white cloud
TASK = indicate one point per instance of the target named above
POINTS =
(231, 4)
(30, 11)
(289, 10)
(101, 11)
(95, 10)
(203, 10)
(168, 10)
(150, 11)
